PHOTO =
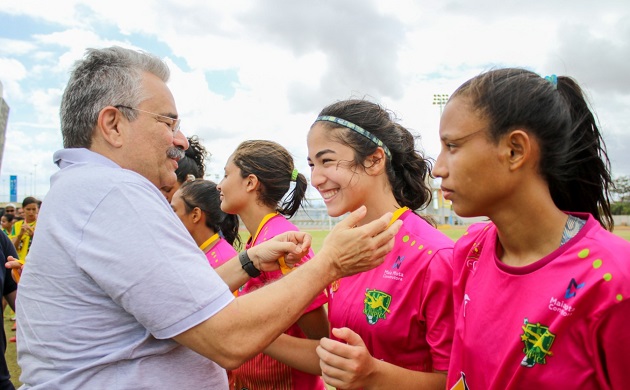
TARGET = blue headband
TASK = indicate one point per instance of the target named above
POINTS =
(356, 128)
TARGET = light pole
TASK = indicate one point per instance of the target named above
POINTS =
(440, 99)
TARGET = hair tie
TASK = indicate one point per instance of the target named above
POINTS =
(190, 177)
(358, 129)
(294, 175)
(553, 79)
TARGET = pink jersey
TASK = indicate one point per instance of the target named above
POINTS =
(561, 322)
(263, 372)
(402, 309)
(221, 252)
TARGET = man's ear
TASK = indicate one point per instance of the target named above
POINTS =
(375, 163)
(110, 124)
(519, 145)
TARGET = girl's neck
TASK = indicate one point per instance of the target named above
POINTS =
(379, 205)
(526, 236)
(253, 217)
(209, 243)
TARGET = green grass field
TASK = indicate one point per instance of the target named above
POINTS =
(318, 238)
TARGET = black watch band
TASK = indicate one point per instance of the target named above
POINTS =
(247, 265)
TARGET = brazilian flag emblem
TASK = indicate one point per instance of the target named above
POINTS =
(537, 339)
(376, 305)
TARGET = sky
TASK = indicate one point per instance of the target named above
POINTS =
(263, 69)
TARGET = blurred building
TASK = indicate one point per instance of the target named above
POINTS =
(4, 118)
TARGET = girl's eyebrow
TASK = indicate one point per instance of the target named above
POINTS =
(445, 138)
(321, 153)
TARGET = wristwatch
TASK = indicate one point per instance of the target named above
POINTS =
(247, 265)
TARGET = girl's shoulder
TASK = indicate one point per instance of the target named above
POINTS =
(418, 228)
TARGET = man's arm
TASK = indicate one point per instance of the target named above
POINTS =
(10, 297)
(250, 323)
(292, 245)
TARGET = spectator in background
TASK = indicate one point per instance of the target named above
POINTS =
(6, 221)
(24, 230)
(9, 209)
(9, 290)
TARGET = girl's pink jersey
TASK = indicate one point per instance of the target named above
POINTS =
(561, 322)
(221, 252)
(403, 309)
(263, 372)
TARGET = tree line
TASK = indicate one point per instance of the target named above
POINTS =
(621, 192)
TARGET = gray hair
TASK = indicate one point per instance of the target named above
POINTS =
(105, 77)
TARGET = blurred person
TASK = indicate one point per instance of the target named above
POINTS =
(23, 230)
(108, 242)
(9, 209)
(9, 290)
(7, 221)
(262, 186)
(542, 290)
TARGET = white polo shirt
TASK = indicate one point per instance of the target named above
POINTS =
(112, 276)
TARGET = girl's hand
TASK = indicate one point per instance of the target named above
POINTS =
(292, 245)
(347, 364)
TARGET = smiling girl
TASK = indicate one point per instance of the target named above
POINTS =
(392, 324)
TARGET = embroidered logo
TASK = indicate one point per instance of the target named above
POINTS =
(376, 305)
(572, 289)
(537, 339)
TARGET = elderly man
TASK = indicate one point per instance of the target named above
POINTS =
(116, 295)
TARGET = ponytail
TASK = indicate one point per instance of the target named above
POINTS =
(587, 184)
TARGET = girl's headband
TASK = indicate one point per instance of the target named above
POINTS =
(358, 129)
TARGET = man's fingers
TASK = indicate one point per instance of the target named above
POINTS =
(353, 219)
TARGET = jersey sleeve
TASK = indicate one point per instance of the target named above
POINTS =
(611, 342)
(437, 307)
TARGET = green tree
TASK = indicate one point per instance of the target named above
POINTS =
(622, 188)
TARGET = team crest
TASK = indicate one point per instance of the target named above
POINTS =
(537, 340)
(473, 256)
(376, 305)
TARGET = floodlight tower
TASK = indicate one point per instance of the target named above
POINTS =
(440, 99)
